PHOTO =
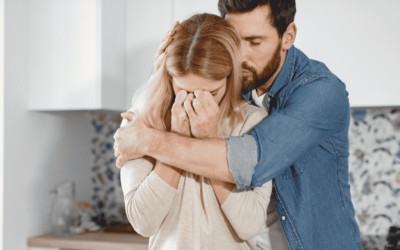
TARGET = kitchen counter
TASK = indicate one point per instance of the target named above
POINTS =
(92, 241)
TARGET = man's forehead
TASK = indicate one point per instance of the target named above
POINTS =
(252, 23)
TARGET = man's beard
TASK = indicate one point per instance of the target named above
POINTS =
(253, 80)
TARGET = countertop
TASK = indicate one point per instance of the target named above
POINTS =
(92, 241)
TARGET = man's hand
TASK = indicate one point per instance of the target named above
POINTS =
(203, 114)
(165, 41)
(129, 139)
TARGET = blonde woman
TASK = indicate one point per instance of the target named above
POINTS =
(177, 209)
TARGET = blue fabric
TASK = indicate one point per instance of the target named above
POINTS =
(303, 146)
(236, 145)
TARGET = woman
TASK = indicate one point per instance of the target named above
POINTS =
(177, 209)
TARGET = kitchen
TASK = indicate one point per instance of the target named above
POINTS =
(54, 129)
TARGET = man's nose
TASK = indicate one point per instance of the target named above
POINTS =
(243, 52)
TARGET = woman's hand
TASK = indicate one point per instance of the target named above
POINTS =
(165, 41)
(179, 119)
(203, 114)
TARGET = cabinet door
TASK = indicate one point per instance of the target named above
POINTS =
(76, 55)
(63, 55)
(147, 22)
(186, 8)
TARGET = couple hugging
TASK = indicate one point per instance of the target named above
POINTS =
(238, 140)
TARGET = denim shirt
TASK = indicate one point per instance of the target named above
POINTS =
(303, 146)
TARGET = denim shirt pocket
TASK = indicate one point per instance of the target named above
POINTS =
(296, 169)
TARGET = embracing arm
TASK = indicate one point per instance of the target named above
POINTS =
(205, 157)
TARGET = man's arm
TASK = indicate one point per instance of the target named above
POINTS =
(205, 157)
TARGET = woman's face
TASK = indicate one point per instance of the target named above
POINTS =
(192, 82)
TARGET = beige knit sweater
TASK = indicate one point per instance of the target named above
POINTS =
(190, 217)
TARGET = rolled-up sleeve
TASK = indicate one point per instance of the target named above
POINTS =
(242, 158)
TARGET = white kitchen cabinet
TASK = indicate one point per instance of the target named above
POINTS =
(76, 55)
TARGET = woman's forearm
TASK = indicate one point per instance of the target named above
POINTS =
(205, 157)
(148, 198)
(222, 190)
(169, 174)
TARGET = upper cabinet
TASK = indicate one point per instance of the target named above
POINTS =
(77, 55)
(94, 54)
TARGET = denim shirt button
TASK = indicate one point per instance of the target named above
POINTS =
(283, 218)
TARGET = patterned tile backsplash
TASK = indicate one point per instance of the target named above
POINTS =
(106, 195)
(374, 168)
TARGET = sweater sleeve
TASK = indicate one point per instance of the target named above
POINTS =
(148, 198)
(246, 209)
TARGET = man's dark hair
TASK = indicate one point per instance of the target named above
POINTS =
(282, 11)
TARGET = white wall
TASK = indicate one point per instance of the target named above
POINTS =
(41, 148)
(1, 118)
(147, 21)
(359, 42)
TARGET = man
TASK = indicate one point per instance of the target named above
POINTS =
(302, 146)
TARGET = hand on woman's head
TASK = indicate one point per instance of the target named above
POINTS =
(165, 41)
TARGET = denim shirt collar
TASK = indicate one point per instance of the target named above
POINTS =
(286, 73)
(284, 76)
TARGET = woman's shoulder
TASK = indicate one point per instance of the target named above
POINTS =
(252, 116)
(253, 112)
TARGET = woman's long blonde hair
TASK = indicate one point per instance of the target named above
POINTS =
(204, 45)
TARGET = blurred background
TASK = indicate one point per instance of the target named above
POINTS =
(68, 68)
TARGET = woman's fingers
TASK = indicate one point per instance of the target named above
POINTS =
(201, 96)
(188, 107)
(198, 107)
(211, 101)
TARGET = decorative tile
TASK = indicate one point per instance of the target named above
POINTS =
(373, 168)
(107, 196)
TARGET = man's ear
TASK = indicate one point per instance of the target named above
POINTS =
(289, 36)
